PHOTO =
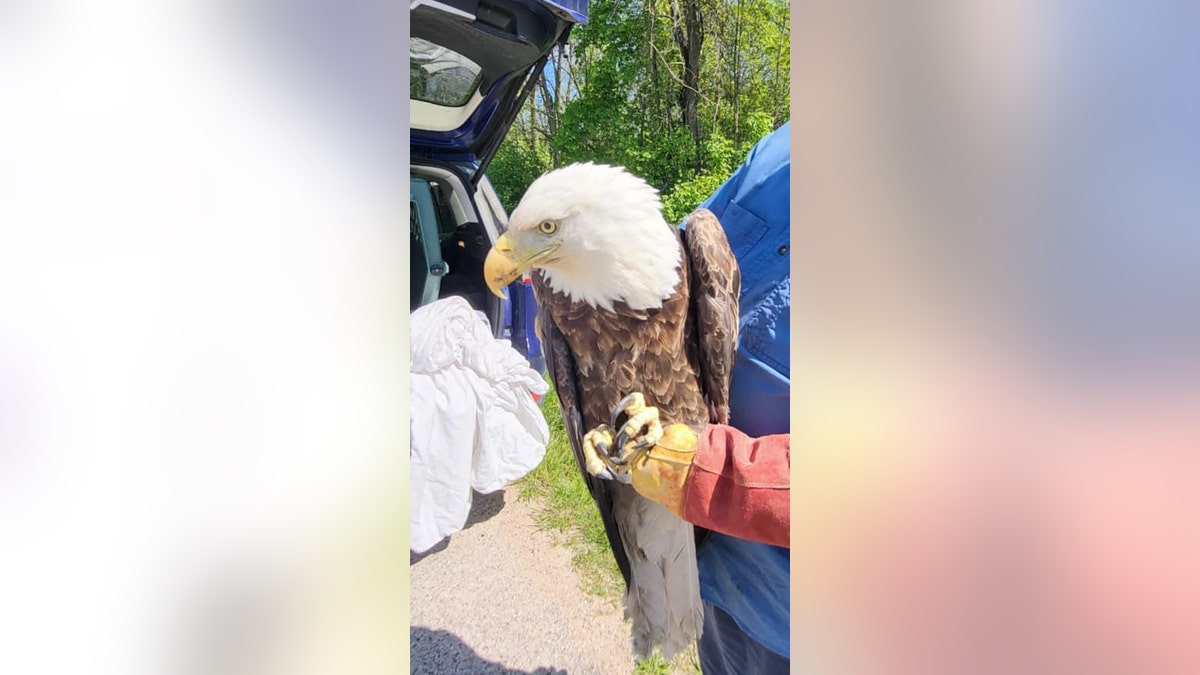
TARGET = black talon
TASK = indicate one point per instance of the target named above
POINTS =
(619, 417)
(621, 439)
(619, 410)
(614, 469)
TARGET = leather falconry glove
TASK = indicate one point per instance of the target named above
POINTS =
(655, 460)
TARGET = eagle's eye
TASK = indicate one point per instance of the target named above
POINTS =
(548, 227)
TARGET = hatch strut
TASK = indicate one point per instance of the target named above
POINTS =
(489, 151)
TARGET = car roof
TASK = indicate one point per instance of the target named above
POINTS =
(471, 63)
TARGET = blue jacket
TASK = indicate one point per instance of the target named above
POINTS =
(749, 581)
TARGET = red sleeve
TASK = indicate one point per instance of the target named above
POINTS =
(741, 486)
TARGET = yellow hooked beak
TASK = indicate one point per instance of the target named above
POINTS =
(504, 264)
(500, 268)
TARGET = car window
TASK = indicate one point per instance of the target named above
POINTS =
(441, 76)
(456, 206)
(448, 218)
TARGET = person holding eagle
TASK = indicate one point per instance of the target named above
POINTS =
(668, 350)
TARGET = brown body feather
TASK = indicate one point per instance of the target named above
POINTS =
(680, 356)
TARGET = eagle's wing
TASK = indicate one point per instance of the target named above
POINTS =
(561, 365)
(715, 282)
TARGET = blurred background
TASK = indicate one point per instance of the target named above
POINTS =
(202, 371)
(996, 269)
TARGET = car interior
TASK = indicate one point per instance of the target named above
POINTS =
(447, 252)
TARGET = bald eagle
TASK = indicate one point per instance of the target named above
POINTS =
(629, 303)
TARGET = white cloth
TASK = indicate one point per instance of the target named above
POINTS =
(475, 423)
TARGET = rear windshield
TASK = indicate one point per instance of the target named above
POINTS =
(441, 76)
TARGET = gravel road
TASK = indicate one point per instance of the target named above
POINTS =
(501, 596)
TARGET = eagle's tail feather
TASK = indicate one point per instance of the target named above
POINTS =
(663, 598)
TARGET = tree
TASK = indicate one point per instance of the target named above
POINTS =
(687, 27)
(677, 91)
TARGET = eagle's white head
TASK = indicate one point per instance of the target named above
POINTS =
(598, 234)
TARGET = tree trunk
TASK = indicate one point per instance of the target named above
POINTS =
(688, 31)
(648, 11)
(737, 74)
(551, 106)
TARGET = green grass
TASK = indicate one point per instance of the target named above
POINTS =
(686, 663)
(564, 505)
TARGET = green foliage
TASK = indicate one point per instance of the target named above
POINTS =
(719, 156)
(687, 195)
(757, 125)
(620, 101)
(513, 169)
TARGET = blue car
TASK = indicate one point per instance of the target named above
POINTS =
(473, 64)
